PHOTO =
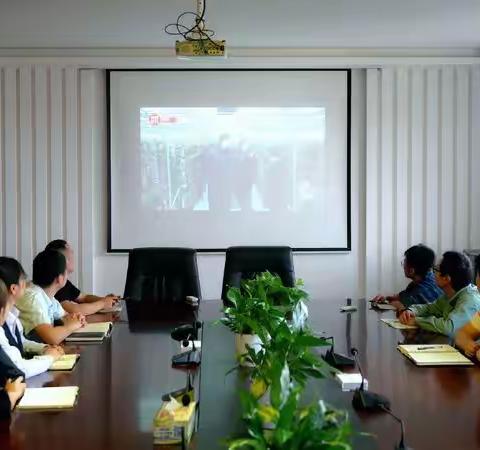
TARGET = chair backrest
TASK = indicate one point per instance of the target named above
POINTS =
(243, 263)
(162, 275)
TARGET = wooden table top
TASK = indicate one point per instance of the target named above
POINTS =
(122, 380)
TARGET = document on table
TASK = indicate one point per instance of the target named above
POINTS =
(65, 362)
(92, 332)
(395, 323)
(63, 397)
(434, 355)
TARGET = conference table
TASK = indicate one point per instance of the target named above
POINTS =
(122, 381)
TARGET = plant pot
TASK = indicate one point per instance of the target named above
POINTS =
(241, 340)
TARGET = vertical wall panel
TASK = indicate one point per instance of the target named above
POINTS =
(87, 119)
(447, 159)
(71, 187)
(41, 165)
(41, 204)
(429, 126)
(417, 156)
(402, 157)
(57, 133)
(461, 189)
(373, 225)
(2, 158)
(388, 118)
(474, 151)
(11, 163)
(25, 162)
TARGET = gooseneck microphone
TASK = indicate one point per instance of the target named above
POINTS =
(402, 444)
(365, 400)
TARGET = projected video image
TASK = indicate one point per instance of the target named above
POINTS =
(232, 159)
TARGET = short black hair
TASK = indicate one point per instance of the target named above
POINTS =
(477, 265)
(3, 295)
(57, 244)
(47, 266)
(458, 267)
(421, 258)
(11, 271)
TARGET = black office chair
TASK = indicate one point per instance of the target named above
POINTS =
(162, 276)
(243, 263)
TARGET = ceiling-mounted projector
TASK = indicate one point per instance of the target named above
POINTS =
(201, 47)
(198, 40)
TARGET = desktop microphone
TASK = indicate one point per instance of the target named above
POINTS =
(401, 445)
(365, 400)
(337, 360)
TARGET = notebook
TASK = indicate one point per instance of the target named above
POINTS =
(49, 398)
(395, 323)
(92, 332)
(65, 362)
(434, 355)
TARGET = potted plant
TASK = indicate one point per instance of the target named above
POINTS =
(284, 424)
(292, 348)
(252, 318)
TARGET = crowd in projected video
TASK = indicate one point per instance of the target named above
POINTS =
(231, 159)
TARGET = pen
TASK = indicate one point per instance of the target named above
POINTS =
(426, 348)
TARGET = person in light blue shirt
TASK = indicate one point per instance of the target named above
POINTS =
(456, 307)
(39, 310)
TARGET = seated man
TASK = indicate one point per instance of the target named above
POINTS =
(467, 336)
(458, 304)
(417, 266)
(38, 307)
(12, 340)
(70, 296)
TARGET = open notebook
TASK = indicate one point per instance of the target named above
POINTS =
(395, 323)
(92, 332)
(49, 398)
(65, 362)
(434, 355)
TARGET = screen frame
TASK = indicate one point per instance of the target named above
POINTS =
(348, 71)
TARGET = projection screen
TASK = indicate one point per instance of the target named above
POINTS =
(209, 159)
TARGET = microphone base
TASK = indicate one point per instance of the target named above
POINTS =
(369, 401)
(338, 360)
(189, 359)
(403, 447)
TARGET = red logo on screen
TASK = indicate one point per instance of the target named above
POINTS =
(155, 119)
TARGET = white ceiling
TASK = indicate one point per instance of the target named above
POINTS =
(244, 23)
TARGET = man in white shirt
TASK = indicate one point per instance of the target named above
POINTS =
(39, 310)
(12, 340)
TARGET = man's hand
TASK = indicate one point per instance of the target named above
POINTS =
(55, 351)
(110, 301)
(407, 318)
(378, 299)
(74, 321)
(15, 390)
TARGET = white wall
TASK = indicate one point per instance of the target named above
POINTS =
(44, 165)
(415, 182)
(423, 161)
(326, 276)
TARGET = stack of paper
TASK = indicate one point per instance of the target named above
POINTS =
(49, 398)
(92, 332)
(65, 362)
(395, 323)
(434, 355)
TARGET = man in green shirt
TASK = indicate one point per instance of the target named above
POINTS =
(458, 304)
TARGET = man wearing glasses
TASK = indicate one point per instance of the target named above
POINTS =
(417, 266)
(458, 304)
